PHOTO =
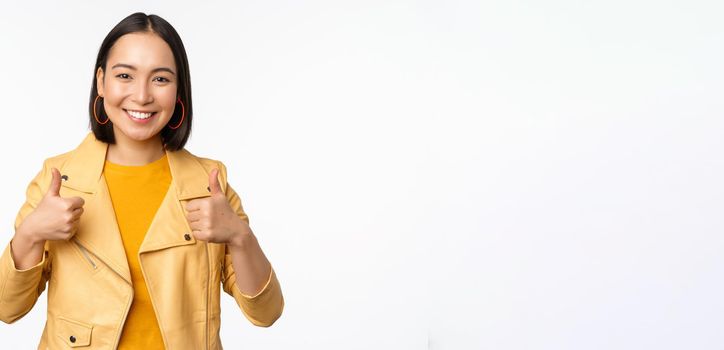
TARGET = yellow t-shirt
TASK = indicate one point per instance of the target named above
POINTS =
(137, 193)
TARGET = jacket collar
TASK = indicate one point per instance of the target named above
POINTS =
(85, 167)
(98, 230)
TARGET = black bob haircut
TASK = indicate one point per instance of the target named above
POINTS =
(173, 139)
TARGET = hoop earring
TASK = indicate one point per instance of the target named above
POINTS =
(95, 102)
(183, 114)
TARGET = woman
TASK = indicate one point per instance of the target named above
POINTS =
(133, 234)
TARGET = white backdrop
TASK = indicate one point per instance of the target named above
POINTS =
(431, 174)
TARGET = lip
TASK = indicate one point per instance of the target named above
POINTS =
(140, 121)
(137, 110)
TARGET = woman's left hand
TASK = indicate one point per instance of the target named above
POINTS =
(212, 219)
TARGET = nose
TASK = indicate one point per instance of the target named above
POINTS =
(142, 94)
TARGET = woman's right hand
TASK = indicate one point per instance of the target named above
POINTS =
(55, 217)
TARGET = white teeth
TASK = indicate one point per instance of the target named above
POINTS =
(139, 115)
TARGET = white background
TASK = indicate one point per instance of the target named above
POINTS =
(431, 174)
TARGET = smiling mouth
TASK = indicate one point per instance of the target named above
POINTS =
(140, 115)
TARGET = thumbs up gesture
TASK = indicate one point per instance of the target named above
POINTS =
(55, 217)
(212, 219)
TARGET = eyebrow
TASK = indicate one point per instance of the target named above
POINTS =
(159, 69)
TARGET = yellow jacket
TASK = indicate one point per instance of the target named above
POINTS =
(89, 283)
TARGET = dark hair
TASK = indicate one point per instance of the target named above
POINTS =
(173, 140)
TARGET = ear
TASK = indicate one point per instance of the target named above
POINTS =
(99, 81)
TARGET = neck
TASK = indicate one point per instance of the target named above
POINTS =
(127, 151)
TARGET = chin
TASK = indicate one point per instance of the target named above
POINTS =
(139, 135)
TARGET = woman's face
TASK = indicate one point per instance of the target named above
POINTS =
(138, 86)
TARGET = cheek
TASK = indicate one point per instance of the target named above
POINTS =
(167, 99)
(114, 93)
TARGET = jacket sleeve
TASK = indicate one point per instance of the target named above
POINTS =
(264, 308)
(19, 289)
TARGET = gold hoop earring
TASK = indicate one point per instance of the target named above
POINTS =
(183, 114)
(95, 102)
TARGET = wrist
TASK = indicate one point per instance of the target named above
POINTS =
(27, 238)
(242, 235)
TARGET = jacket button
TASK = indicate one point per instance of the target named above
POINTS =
(187, 236)
(208, 188)
(64, 177)
(72, 339)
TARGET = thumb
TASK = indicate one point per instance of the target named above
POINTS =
(214, 185)
(54, 189)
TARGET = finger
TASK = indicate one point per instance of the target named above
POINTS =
(193, 205)
(73, 231)
(77, 212)
(193, 216)
(195, 225)
(76, 202)
(54, 189)
(198, 234)
(214, 184)
(76, 221)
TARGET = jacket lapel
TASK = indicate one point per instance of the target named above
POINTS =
(169, 227)
(98, 229)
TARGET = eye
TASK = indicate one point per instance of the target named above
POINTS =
(123, 76)
(162, 79)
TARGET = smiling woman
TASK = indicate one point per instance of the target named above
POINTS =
(147, 71)
(139, 91)
(135, 235)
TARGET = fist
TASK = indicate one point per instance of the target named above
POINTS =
(211, 218)
(55, 217)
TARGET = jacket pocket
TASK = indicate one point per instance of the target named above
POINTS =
(86, 255)
(73, 333)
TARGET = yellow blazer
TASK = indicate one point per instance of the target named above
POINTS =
(89, 282)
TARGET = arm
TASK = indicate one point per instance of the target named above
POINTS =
(24, 264)
(249, 261)
(247, 275)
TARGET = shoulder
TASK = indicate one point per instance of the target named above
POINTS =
(88, 145)
(57, 161)
(209, 164)
(206, 162)
(40, 183)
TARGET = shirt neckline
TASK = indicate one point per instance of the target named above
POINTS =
(155, 165)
